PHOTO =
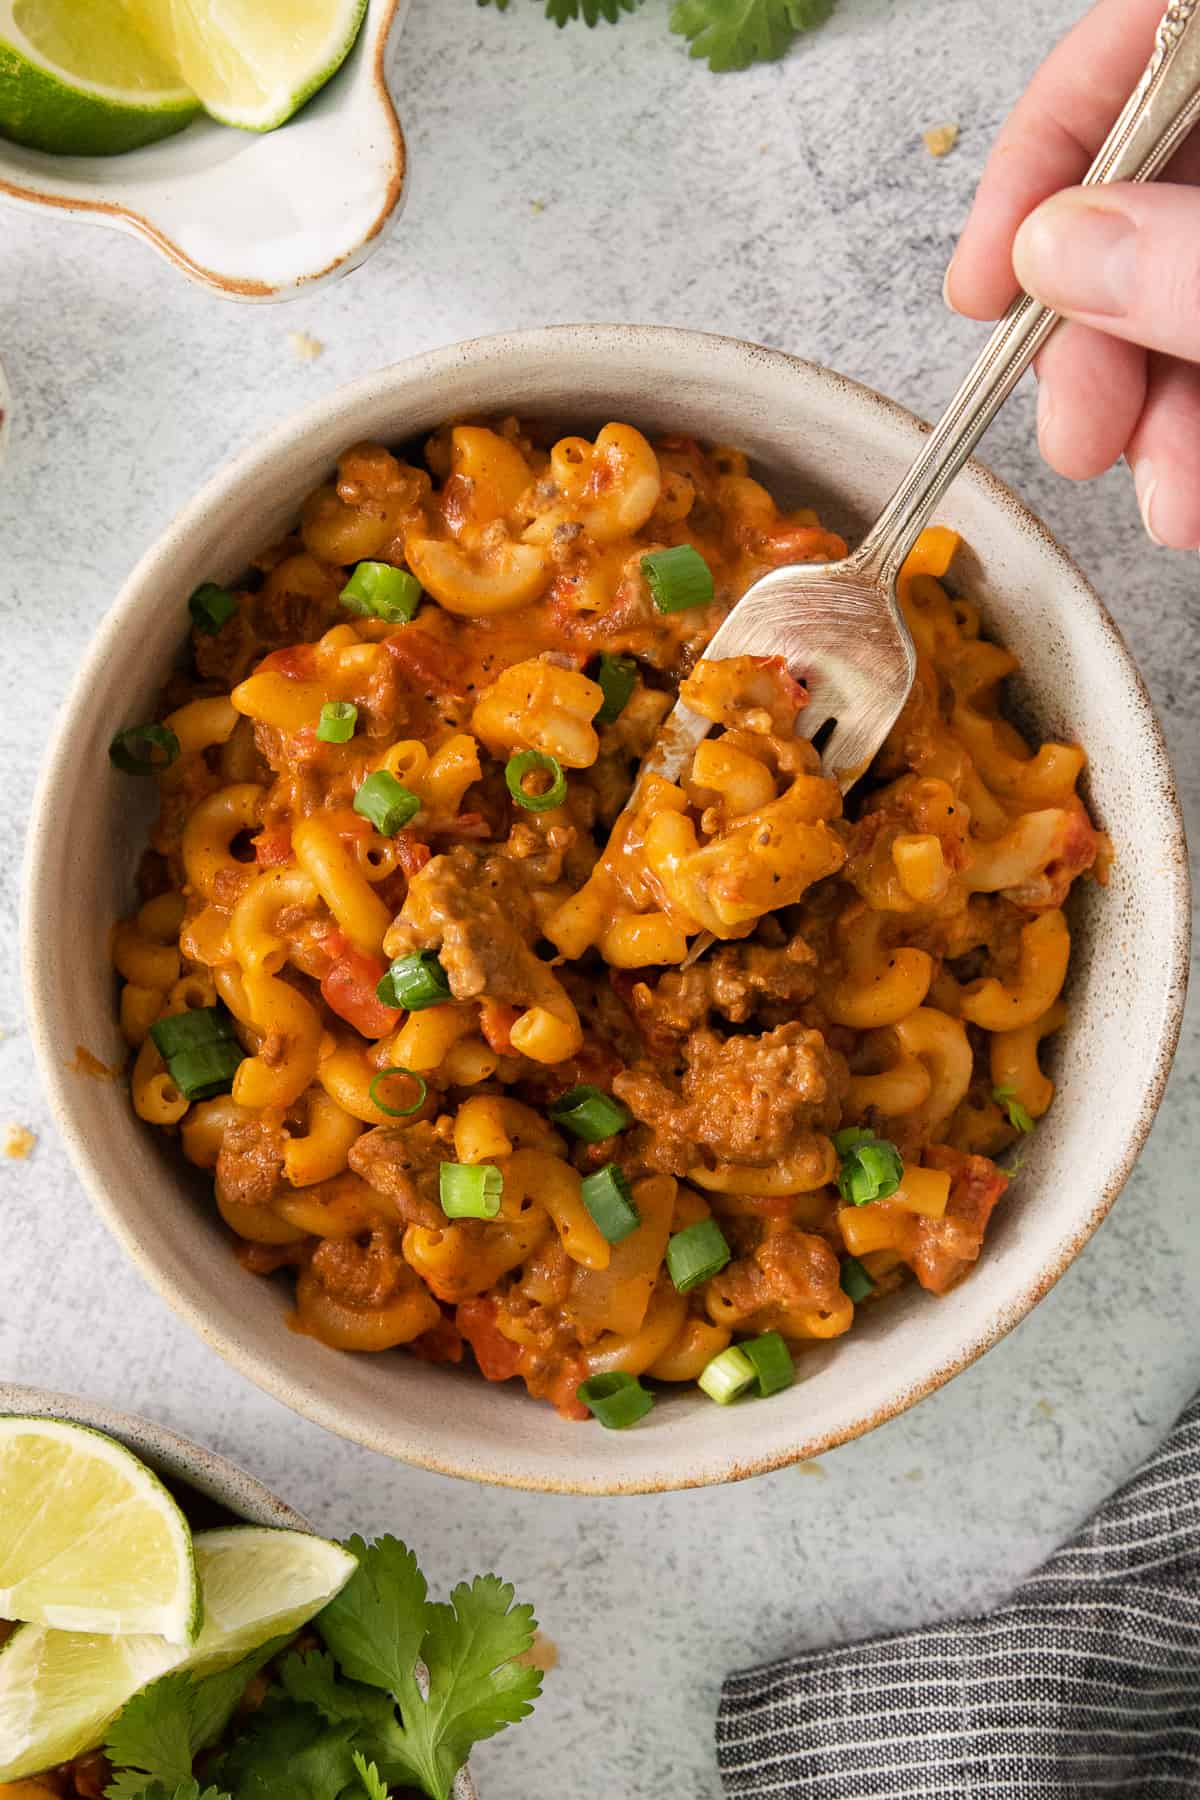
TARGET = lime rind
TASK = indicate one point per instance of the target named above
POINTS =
(60, 1691)
(48, 103)
(118, 1528)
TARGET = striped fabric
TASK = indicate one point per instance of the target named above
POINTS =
(1087, 1682)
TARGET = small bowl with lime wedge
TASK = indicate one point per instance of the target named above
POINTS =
(258, 151)
(163, 1616)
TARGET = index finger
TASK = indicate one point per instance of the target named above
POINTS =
(1048, 143)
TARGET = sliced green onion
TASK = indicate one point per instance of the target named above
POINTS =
(678, 578)
(144, 749)
(617, 1400)
(854, 1279)
(727, 1375)
(771, 1361)
(191, 1030)
(1019, 1115)
(526, 762)
(211, 607)
(205, 1070)
(696, 1253)
(607, 1196)
(590, 1114)
(399, 1112)
(414, 982)
(871, 1168)
(617, 676)
(470, 1190)
(337, 722)
(387, 803)
(377, 590)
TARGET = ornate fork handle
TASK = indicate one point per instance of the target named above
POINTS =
(1160, 113)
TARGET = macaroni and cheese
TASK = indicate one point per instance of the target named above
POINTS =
(417, 987)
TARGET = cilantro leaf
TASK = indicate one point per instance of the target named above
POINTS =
(475, 1688)
(375, 1625)
(289, 1752)
(216, 1698)
(313, 1680)
(368, 1774)
(1019, 1116)
(152, 1734)
(591, 11)
(187, 1790)
(732, 34)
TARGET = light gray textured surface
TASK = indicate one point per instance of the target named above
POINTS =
(558, 176)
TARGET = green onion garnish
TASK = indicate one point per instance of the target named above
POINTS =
(211, 607)
(399, 1112)
(855, 1280)
(617, 1400)
(678, 578)
(871, 1167)
(470, 1190)
(377, 590)
(772, 1362)
(607, 1196)
(387, 803)
(526, 762)
(414, 982)
(144, 749)
(200, 1050)
(617, 676)
(337, 722)
(205, 1071)
(727, 1375)
(588, 1113)
(1019, 1115)
(696, 1253)
(189, 1030)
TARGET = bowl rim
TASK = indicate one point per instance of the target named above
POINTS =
(546, 344)
(117, 213)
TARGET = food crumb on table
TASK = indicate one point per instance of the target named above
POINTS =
(18, 1142)
(542, 1654)
(940, 139)
(537, 206)
(304, 347)
(813, 1468)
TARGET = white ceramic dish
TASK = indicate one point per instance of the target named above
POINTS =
(180, 1463)
(257, 216)
(841, 447)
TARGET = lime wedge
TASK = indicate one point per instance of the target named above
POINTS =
(90, 1540)
(79, 79)
(60, 1690)
(253, 63)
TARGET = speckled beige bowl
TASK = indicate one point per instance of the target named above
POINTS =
(815, 436)
(181, 1464)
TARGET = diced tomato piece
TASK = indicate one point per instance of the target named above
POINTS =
(348, 988)
(794, 692)
(497, 1356)
(297, 661)
(411, 854)
(271, 848)
(496, 1020)
(441, 1343)
(562, 1390)
(426, 663)
(467, 825)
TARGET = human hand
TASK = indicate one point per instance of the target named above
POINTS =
(1122, 262)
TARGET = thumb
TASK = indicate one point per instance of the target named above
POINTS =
(1125, 259)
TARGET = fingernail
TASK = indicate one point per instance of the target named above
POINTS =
(946, 300)
(1145, 483)
(1077, 256)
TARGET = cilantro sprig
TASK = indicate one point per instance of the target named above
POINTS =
(349, 1722)
(727, 34)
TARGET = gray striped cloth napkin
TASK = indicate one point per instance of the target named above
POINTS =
(1086, 1682)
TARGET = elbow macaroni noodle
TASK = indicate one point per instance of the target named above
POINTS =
(898, 966)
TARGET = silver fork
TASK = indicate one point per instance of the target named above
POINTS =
(837, 624)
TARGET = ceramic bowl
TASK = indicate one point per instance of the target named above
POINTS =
(257, 216)
(182, 1465)
(818, 438)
